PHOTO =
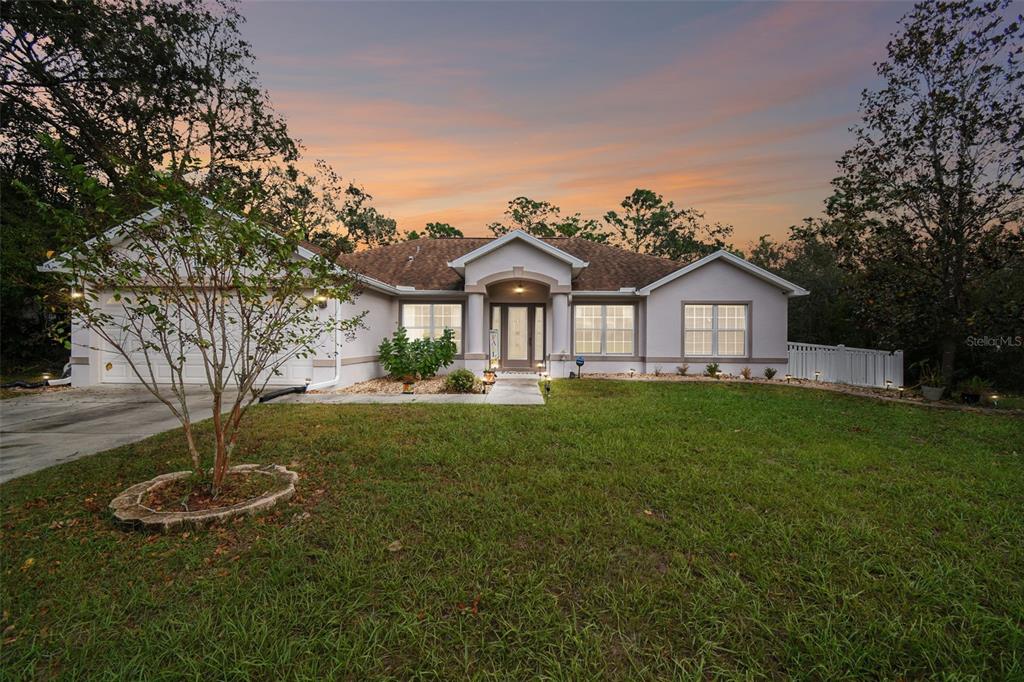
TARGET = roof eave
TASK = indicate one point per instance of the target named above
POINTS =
(788, 288)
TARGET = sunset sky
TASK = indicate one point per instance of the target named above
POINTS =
(445, 111)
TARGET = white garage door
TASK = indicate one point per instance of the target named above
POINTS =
(114, 369)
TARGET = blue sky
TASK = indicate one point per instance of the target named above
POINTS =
(445, 111)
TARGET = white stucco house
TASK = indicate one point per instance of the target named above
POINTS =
(521, 302)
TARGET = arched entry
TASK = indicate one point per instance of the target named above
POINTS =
(518, 322)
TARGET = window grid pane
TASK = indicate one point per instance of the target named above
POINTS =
(698, 343)
(619, 329)
(732, 317)
(587, 337)
(699, 316)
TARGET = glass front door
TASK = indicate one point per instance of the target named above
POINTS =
(521, 330)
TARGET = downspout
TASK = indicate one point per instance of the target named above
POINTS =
(337, 353)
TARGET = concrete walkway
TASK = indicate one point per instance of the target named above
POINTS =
(516, 389)
(39, 431)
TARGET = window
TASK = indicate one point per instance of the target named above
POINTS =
(429, 320)
(603, 329)
(715, 330)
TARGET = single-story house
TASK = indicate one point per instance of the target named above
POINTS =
(519, 302)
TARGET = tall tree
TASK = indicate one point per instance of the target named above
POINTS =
(649, 224)
(127, 86)
(929, 200)
(544, 219)
(436, 231)
(337, 216)
(533, 217)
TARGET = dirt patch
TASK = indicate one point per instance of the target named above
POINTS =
(192, 494)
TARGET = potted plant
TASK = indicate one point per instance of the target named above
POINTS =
(972, 389)
(932, 383)
(489, 374)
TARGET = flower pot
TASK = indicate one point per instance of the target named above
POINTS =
(932, 392)
(970, 398)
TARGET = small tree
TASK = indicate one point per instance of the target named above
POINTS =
(190, 278)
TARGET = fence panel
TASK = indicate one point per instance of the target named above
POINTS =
(839, 364)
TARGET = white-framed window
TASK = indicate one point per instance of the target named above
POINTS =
(605, 329)
(429, 320)
(715, 330)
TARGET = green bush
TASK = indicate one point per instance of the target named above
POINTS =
(460, 381)
(416, 359)
(770, 372)
(712, 370)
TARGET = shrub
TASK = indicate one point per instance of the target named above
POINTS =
(460, 381)
(712, 370)
(770, 372)
(975, 386)
(417, 359)
(930, 376)
(745, 372)
(657, 370)
(682, 369)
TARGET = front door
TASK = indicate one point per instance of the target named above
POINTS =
(521, 329)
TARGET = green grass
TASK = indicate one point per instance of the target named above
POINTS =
(627, 530)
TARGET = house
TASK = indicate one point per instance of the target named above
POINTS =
(519, 302)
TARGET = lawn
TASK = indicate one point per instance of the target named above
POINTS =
(627, 530)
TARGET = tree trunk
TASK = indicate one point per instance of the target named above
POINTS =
(948, 349)
(220, 455)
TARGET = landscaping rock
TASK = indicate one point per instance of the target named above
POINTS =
(129, 510)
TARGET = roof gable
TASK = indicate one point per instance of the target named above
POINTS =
(789, 288)
(575, 263)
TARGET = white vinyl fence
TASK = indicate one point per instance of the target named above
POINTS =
(839, 364)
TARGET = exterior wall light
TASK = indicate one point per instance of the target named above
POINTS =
(519, 288)
(321, 301)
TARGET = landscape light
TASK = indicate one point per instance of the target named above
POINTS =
(995, 401)
(75, 293)
(888, 384)
(901, 389)
(788, 377)
(817, 374)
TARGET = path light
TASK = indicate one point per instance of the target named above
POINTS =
(901, 389)
(888, 384)
(46, 377)
(788, 377)
(817, 374)
(547, 385)
(631, 371)
(995, 401)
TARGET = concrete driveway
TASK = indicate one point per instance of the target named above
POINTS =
(41, 430)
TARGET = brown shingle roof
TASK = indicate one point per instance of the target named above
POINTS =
(423, 263)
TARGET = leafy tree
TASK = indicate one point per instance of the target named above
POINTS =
(928, 203)
(543, 219)
(335, 215)
(533, 217)
(577, 226)
(830, 313)
(436, 231)
(198, 277)
(127, 86)
(649, 224)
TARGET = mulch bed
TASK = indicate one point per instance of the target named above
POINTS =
(191, 494)
(389, 386)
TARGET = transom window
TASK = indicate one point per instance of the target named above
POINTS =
(603, 329)
(715, 330)
(429, 320)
